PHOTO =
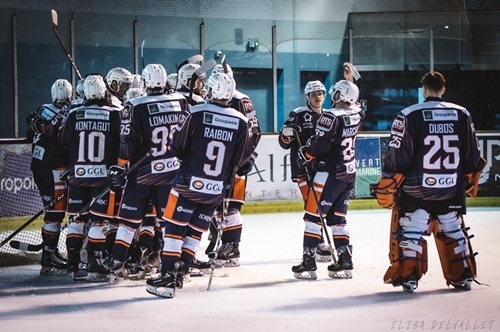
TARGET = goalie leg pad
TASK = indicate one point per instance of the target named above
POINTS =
(454, 248)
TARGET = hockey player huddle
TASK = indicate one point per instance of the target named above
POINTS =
(151, 162)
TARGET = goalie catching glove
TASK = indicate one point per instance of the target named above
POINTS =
(385, 191)
(116, 178)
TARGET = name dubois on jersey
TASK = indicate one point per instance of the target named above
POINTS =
(441, 128)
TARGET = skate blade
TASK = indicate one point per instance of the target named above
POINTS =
(323, 258)
(306, 275)
(409, 286)
(114, 279)
(79, 276)
(167, 293)
(346, 274)
(463, 285)
(97, 277)
(52, 271)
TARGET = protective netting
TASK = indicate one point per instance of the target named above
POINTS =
(20, 201)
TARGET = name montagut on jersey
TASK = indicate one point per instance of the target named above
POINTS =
(163, 119)
(440, 115)
(92, 125)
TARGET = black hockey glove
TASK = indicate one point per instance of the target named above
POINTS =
(303, 159)
(116, 179)
(245, 168)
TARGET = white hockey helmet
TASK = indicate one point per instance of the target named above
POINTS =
(136, 82)
(79, 89)
(349, 92)
(186, 72)
(154, 76)
(62, 91)
(222, 86)
(133, 93)
(312, 86)
(172, 81)
(94, 87)
(120, 75)
(219, 68)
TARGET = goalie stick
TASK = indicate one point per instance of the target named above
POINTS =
(37, 247)
(318, 206)
(200, 71)
(55, 27)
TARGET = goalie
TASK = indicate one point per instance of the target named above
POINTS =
(433, 159)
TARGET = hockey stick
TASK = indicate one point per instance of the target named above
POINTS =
(192, 59)
(29, 221)
(225, 205)
(56, 32)
(37, 247)
(310, 184)
(142, 53)
(200, 71)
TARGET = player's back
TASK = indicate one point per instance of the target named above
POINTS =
(435, 144)
(211, 143)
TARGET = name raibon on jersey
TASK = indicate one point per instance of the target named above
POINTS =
(220, 120)
(440, 115)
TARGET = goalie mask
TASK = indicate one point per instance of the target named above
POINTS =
(154, 76)
(94, 87)
(220, 69)
(221, 86)
(120, 76)
(62, 91)
(186, 72)
(347, 92)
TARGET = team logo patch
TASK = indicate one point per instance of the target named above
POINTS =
(153, 108)
(307, 117)
(347, 120)
(325, 122)
(439, 180)
(198, 185)
(427, 115)
(80, 114)
(398, 126)
(80, 171)
(220, 120)
(92, 114)
(440, 115)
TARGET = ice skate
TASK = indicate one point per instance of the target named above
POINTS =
(199, 268)
(466, 281)
(52, 263)
(306, 269)
(342, 269)
(118, 273)
(323, 253)
(228, 255)
(165, 284)
(98, 270)
(144, 267)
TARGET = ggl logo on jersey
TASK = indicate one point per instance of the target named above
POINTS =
(91, 171)
(206, 186)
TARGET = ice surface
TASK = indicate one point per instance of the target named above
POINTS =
(262, 295)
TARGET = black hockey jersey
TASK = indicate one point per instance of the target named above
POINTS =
(91, 137)
(210, 143)
(334, 143)
(306, 119)
(147, 124)
(433, 144)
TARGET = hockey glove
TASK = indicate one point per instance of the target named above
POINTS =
(291, 130)
(386, 190)
(116, 179)
(303, 158)
(245, 168)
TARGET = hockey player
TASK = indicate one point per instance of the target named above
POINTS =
(184, 81)
(303, 120)
(210, 142)
(330, 153)
(90, 135)
(228, 254)
(47, 174)
(433, 151)
(147, 125)
(118, 81)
